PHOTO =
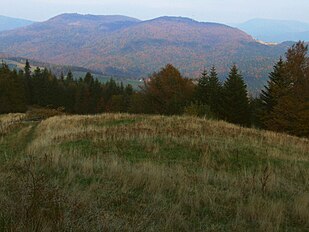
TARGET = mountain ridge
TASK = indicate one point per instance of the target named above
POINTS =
(124, 46)
(10, 23)
(71, 16)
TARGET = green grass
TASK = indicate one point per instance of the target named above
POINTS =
(118, 172)
(84, 146)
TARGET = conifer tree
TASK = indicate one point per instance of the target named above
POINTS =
(61, 77)
(69, 76)
(27, 70)
(215, 92)
(27, 82)
(88, 78)
(236, 102)
(276, 86)
(202, 89)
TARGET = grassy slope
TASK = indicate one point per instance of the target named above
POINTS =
(150, 173)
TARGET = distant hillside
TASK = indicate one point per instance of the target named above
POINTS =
(124, 46)
(276, 30)
(19, 63)
(8, 23)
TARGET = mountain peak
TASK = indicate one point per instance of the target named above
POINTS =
(189, 21)
(175, 19)
(67, 17)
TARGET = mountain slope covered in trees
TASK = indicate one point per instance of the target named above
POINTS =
(123, 46)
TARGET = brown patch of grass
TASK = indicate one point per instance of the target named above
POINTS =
(8, 122)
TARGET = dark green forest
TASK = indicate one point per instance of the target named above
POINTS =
(282, 106)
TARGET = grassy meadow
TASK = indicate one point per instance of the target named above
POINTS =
(120, 172)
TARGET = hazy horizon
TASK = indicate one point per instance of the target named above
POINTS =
(222, 11)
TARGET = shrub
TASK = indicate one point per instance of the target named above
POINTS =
(199, 110)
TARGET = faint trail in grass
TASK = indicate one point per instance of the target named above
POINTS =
(16, 142)
(30, 135)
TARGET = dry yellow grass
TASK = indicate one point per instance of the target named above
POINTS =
(9, 120)
(154, 173)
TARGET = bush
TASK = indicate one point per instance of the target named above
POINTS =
(39, 113)
(199, 110)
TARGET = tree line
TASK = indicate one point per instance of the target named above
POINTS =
(87, 95)
(282, 106)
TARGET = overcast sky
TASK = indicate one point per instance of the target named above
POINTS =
(225, 11)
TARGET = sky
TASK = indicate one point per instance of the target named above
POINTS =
(223, 11)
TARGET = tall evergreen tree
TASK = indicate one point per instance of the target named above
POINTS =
(27, 70)
(27, 82)
(276, 85)
(69, 76)
(215, 92)
(202, 88)
(89, 78)
(61, 77)
(236, 102)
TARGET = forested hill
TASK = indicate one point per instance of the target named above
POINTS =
(124, 46)
(18, 63)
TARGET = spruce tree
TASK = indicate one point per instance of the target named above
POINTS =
(202, 89)
(69, 77)
(277, 86)
(235, 99)
(128, 92)
(61, 77)
(88, 78)
(27, 82)
(27, 70)
(215, 91)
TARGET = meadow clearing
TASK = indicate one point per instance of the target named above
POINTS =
(121, 172)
